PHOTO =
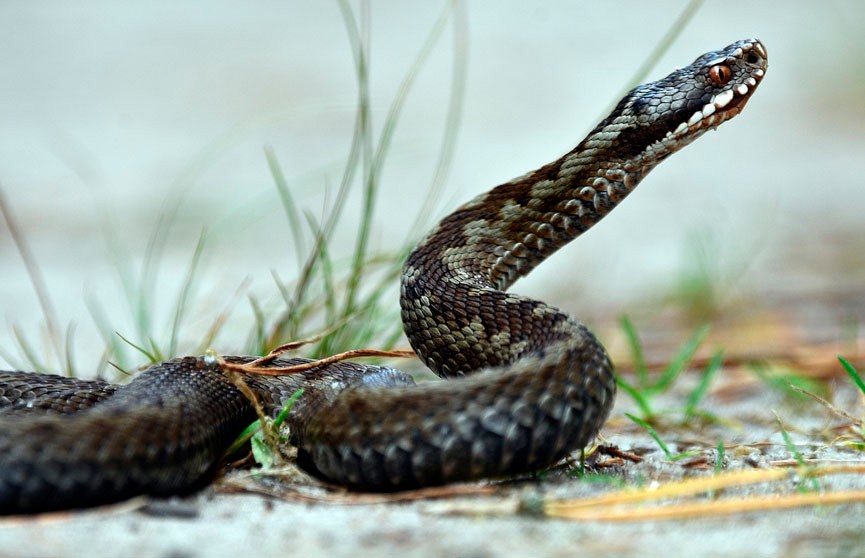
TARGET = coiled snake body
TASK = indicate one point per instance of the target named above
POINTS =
(538, 386)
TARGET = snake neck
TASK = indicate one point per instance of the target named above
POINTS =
(503, 234)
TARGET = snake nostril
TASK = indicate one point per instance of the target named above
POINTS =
(752, 58)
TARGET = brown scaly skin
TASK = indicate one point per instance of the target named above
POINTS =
(547, 384)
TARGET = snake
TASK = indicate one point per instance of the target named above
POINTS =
(528, 383)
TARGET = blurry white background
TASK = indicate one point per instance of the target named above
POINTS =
(114, 111)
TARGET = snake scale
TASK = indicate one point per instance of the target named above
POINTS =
(530, 383)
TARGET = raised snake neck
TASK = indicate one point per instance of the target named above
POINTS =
(546, 385)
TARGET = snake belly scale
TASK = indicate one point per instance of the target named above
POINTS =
(530, 383)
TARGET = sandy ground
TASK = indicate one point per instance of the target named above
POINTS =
(231, 525)
(226, 526)
(289, 514)
(123, 112)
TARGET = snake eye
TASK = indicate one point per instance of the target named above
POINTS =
(720, 74)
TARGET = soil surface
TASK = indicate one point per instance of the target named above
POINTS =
(115, 116)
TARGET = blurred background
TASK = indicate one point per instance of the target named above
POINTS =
(115, 115)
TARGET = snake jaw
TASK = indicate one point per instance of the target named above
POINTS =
(726, 104)
(704, 106)
(720, 108)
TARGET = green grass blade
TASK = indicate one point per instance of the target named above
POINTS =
(30, 354)
(377, 162)
(661, 47)
(69, 351)
(653, 433)
(854, 375)
(154, 348)
(116, 348)
(681, 360)
(151, 356)
(452, 122)
(183, 296)
(636, 348)
(719, 462)
(259, 338)
(218, 322)
(121, 261)
(280, 418)
(10, 359)
(357, 40)
(256, 427)
(786, 380)
(287, 326)
(641, 401)
(145, 299)
(797, 455)
(694, 398)
(288, 204)
(243, 437)
(34, 273)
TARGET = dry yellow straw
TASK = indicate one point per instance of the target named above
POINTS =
(611, 507)
(689, 510)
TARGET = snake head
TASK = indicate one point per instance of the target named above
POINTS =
(655, 119)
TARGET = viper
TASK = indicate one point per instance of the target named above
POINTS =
(529, 384)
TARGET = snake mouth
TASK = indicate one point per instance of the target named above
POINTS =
(720, 108)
